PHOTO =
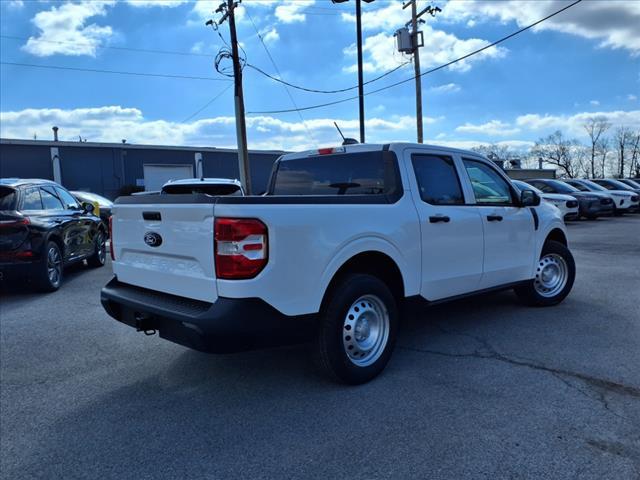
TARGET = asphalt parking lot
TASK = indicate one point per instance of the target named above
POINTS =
(483, 388)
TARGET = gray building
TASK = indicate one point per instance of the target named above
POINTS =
(111, 169)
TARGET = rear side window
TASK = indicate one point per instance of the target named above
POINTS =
(31, 199)
(489, 187)
(49, 199)
(437, 180)
(7, 198)
(579, 186)
(362, 173)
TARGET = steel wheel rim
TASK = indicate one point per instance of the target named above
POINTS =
(102, 248)
(552, 274)
(54, 265)
(365, 330)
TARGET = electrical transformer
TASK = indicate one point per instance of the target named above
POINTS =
(403, 40)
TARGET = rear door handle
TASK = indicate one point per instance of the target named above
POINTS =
(439, 218)
(494, 218)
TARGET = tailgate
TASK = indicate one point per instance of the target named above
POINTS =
(163, 246)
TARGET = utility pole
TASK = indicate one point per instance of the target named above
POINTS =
(228, 13)
(416, 43)
(360, 74)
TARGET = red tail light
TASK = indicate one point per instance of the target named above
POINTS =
(240, 247)
(112, 250)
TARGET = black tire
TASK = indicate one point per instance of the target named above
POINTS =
(46, 281)
(530, 295)
(99, 257)
(330, 351)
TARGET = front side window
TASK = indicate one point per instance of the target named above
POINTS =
(437, 179)
(31, 199)
(49, 199)
(361, 173)
(489, 187)
(70, 203)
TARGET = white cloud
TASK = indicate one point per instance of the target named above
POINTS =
(270, 36)
(446, 88)
(292, 10)
(63, 30)
(156, 3)
(492, 128)
(380, 51)
(518, 145)
(113, 123)
(572, 124)
(15, 4)
(595, 103)
(613, 24)
(632, 98)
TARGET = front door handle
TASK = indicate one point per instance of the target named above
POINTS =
(439, 218)
(494, 218)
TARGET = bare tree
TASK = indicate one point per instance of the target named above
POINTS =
(603, 151)
(623, 138)
(561, 152)
(596, 128)
(634, 168)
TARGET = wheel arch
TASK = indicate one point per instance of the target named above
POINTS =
(557, 235)
(371, 262)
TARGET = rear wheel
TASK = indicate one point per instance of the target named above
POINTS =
(49, 275)
(555, 273)
(357, 330)
(99, 256)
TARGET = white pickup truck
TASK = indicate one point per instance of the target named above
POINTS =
(343, 237)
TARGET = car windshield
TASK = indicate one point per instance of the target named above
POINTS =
(631, 183)
(580, 186)
(618, 185)
(207, 189)
(593, 185)
(525, 186)
(7, 198)
(561, 186)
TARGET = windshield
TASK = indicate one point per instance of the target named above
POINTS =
(561, 186)
(525, 186)
(580, 186)
(631, 183)
(594, 185)
(214, 190)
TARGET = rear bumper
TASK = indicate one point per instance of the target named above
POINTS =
(18, 269)
(225, 326)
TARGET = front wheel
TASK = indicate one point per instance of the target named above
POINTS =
(357, 330)
(554, 276)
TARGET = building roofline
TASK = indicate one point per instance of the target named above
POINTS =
(128, 146)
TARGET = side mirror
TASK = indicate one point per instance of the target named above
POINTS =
(88, 207)
(529, 198)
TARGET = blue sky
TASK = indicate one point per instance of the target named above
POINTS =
(584, 62)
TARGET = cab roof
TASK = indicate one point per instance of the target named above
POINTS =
(19, 182)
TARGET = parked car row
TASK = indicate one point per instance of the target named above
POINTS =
(595, 198)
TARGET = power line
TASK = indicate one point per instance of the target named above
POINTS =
(109, 47)
(207, 55)
(313, 90)
(117, 72)
(475, 52)
(208, 103)
(273, 62)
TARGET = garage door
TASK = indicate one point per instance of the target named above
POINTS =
(155, 176)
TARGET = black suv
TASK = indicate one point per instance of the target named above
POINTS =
(43, 228)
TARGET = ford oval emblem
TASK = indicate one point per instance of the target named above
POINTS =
(152, 239)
